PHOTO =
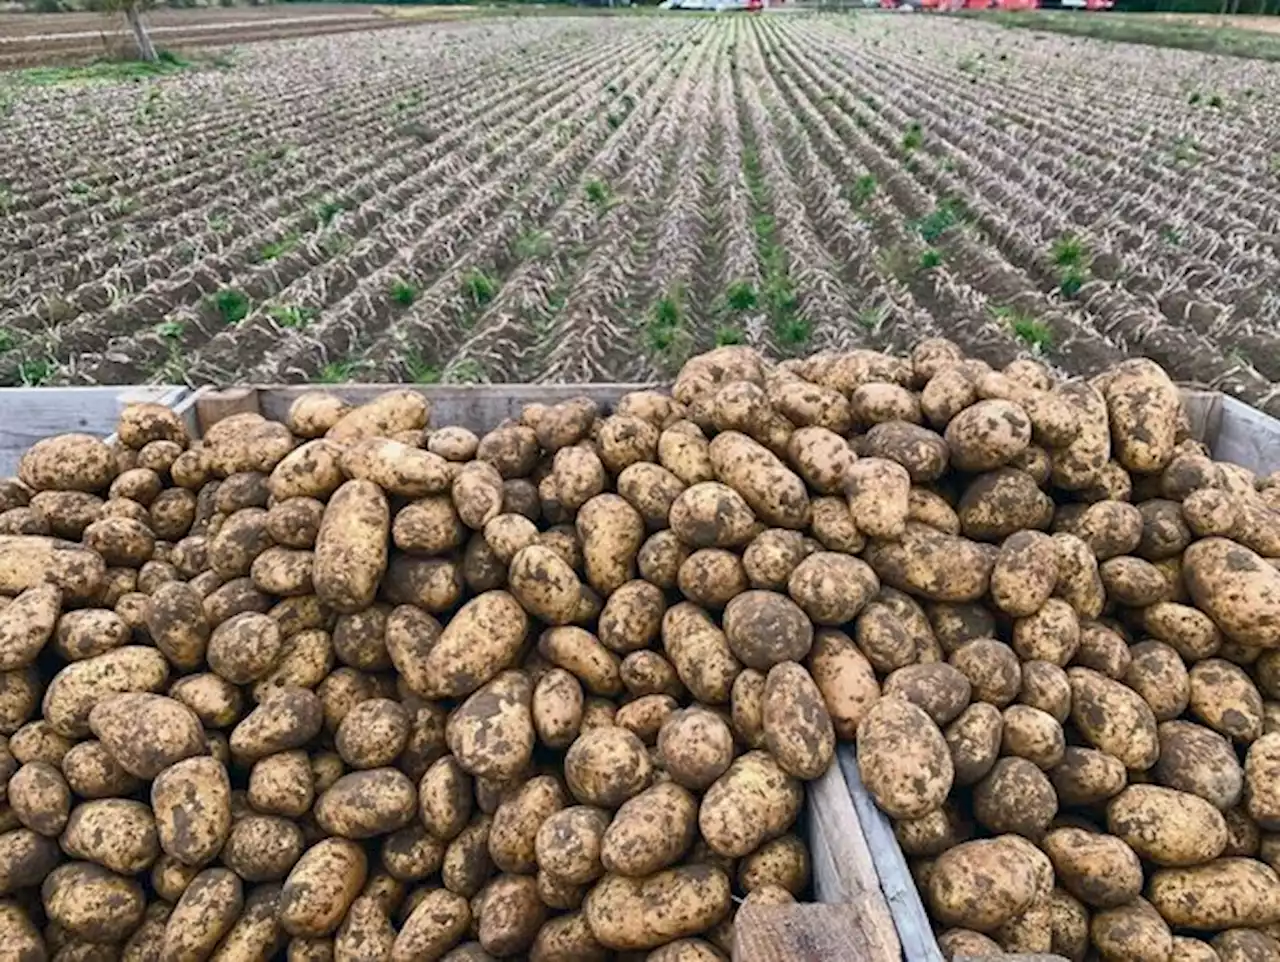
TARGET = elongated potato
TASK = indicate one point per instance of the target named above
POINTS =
(903, 759)
(774, 492)
(321, 887)
(752, 802)
(351, 547)
(631, 914)
(1236, 588)
(480, 640)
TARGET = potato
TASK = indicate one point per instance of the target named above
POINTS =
(245, 647)
(991, 669)
(257, 932)
(1079, 583)
(1225, 893)
(67, 462)
(91, 903)
(1113, 718)
(927, 563)
(1143, 406)
(1236, 588)
(955, 943)
(1015, 797)
(192, 804)
(765, 628)
(512, 835)
(146, 733)
(579, 652)
(1200, 761)
(285, 718)
(903, 759)
(822, 457)
(832, 588)
(650, 831)
(999, 503)
(1131, 932)
(351, 546)
(940, 689)
(85, 632)
(39, 797)
(1224, 698)
(630, 914)
(1086, 776)
(28, 560)
(774, 492)
(1100, 870)
(1034, 735)
(1261, 776)
(933, 834)
(700, 653)
(1025, 573)
(479, 641)
(295, 523)
(373, 733)
(986, 435)
(981, 885)
(711, 577)
(771, 557)
(27, 624)
(973, 742)
(92, 772)
(878, 491)
(1187, 630)
(712, 515)
(205, 913)
(1166, 826)
(492, 733)
(263, 848)
(1243, 945)
(321, 887)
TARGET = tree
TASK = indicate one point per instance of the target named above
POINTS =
(132, 10)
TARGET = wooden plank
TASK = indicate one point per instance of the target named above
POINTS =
(801, 933)
(214, 405)
(28, 415)
(477, 407)
(1247, 437)
(905, 906)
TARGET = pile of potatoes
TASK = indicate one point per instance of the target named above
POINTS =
(357, 687)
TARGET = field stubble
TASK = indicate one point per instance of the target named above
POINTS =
(577, 199)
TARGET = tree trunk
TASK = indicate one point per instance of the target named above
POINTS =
(146, 48)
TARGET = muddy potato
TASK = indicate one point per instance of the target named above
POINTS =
(927, 563)
(931, 509)
(1143, 406)
(579, 652)
(764, 628)
(822, 457)
(1167, 826)
(973, 742)
(1086, 776)
(712, 515)
(314, 413)
(92, 903)
(491, 734)
(321, 887)
(1025, 573)
(245, 647)
(986, 435)
(644, 716)
(295, 523)
(428, 526)
(445, 798)
(1046, 686)
(833, 526)
(932, 834)
(955, 943)
(1246, 945)
(771, 557)
(373, 733)
(27, 624)
(480, 640)
(1200, 761)
(632, 617)
(1099, 869)
(466, 864)
(845, 679)
(263, 848)
(205, 913)
(305, 661)
(1133, 933)
(1223, 697)
(192, 805)
(1157, 673)
(146, 733)
(85, 632)
(1079, 583)
(1015, 797)
(922, 452)
(1113, 718)
(1262, 782)
(606, 766)
(1236, 588)
(177, 623)
(695, 747)
(651, 831)
(832, 588)
(903, 758)
(28, 560)
(285, 718)
(700, 653)
(883, 638)
(39, 796)
(514, 830)
(433, 584)
(557, 708)
(311, 470)
(981, 885)
(351, 546)
(611, 532)
(940, 689)
(999, 503)
(652, 490)
(20, 936)
(411, 853)
(684, 451)
(93, 773)
(1187, 949)
(1034, 735)
(797, 729)
(781, 863)
(360, 639)
(711, 577)
(878, 493)
(991, 668)
(67, 462)
(632, 914)
(1225, 893)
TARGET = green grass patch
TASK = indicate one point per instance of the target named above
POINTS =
(327, 209)
(664, 332)
(933, 225)
(532, 244)
(741, 296)
(597, 192)
(99, 72)
(171, 330)
(35, 371)
(403, 293)
(7, 340)
(420, 371)
(336, 372)
(293, 316)
(929, 259)
(231, 305)
(727, 334)
(278, 248)
(1069, 251)
(1036, 335)
(480, 287)
(863, 189)
(912, 137)
(778, 293)
(466, 371)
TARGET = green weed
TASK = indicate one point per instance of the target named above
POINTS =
(34, 371)
(933, 225)
(327, 209)
(793, 331)
(913, 137)
(533, 244)
(403, 293)
(6, 340)
(929, 259)
(171, 330)
(420, 371)
(230, 304)
(741, 296)
(870, 318)
(665, 322)
(864, 188)
(1034, 334)
(479, 286)
(1069, 251)
(726, 335)
(278, 248)
(1072, 281)
(293, 316)
(336, 372)
(597, 192)
(466, 371)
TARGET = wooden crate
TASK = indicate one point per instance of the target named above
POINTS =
(868, 908)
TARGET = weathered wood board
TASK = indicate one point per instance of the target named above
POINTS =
(28, 414)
